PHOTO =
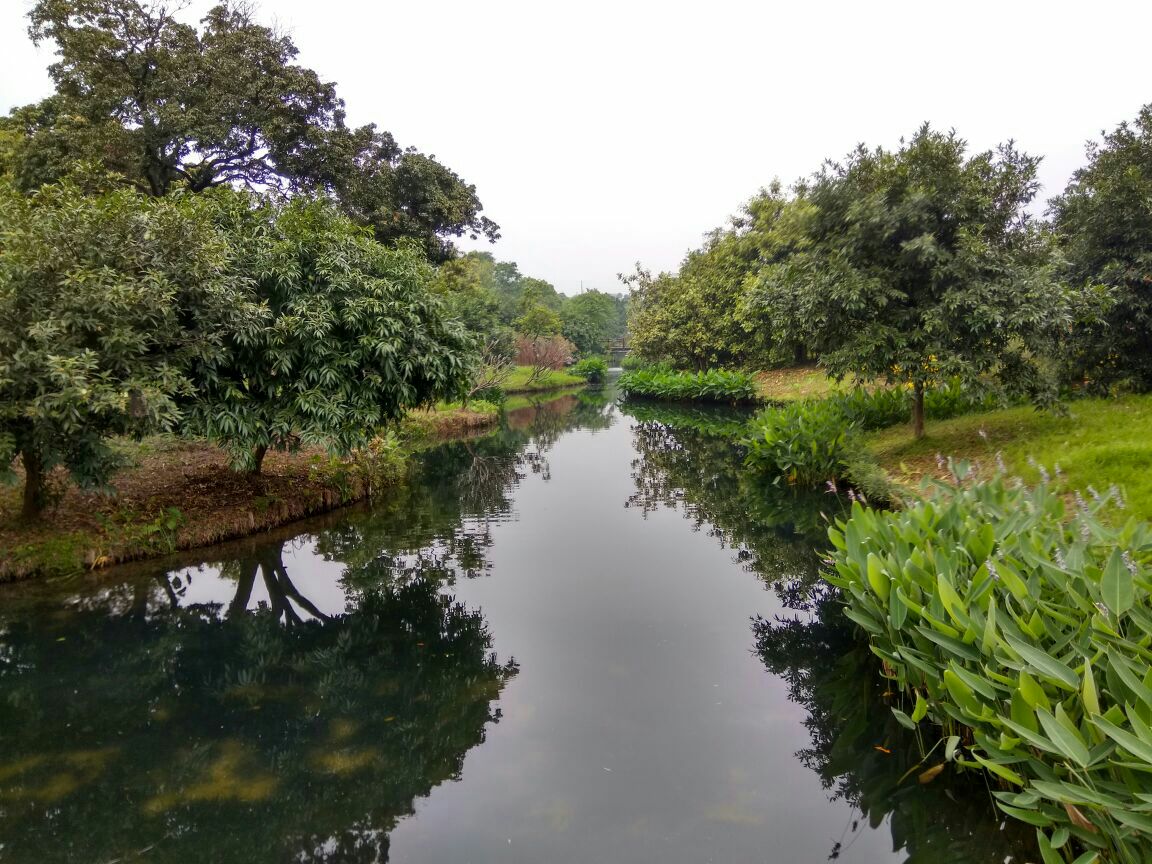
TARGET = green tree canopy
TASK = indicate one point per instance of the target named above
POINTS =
(700, 317)
(356, 337)
(1104, 221)
(921, 265)
(588, 321)
(105, 302)
(166, 103)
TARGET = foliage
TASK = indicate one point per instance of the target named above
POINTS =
(632, 361)
(543, 355)
(355, 338)
(995, 610)
(699, 316)
(715, 385)
(802, 443)
(882, 407)
(167, 104)
(589, 321)
(105, 302)
(922, 265)
(949, 820)
(368, 469)
(594, 370)
(1104, 222)
(1095, 444)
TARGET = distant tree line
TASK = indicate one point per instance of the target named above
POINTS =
(923, 264)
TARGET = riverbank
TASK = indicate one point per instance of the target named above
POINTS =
(1097, 443)
(178, 494)
(525, 380)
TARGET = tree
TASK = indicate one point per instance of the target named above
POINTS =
(356, 338)
(105, 302)
(168, 104)
(1104, 223)
(588, 321)
(700, 317)
(920, 266)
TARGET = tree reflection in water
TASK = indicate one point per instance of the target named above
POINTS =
(687, 461)
(235, 712)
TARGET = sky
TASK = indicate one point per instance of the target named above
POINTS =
(600, 134)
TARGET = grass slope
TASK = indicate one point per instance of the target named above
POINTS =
(1099, 442)
(519, 383)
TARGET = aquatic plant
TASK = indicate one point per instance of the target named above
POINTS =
(1024, 632)
(715, 385)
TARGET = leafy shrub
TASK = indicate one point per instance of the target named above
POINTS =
(594, 370)
(890, 406)
(632, 361)
(996, 611)
(715, 385)
(803, 443)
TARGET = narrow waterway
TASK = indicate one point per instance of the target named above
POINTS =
(568, 641)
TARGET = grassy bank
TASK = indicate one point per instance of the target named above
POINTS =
(1097, 443)
(180, 494)
(521, 381)
(797, 383)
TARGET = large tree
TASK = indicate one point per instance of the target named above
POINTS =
(1104, 222)
(700, 317)
(355, 339)
(922, 265)
(589, 320)
(166, 104)
(105, 302)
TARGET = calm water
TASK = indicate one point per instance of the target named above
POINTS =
(569, 641)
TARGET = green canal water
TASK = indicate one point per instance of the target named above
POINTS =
(584, 638)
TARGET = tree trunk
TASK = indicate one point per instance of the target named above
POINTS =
(800, 354)
(33, 484)
(258, 460)
(918, 410)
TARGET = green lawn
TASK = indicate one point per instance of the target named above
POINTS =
(518, 382)
(796, 383)
(1099, 442)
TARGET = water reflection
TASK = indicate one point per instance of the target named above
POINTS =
(861, 754)
(864, 756)
(213, 733)
(289, 702)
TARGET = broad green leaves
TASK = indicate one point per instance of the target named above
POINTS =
(1029, 629)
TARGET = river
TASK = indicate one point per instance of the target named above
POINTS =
(583, 638)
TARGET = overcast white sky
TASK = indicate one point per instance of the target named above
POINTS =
(602, 133)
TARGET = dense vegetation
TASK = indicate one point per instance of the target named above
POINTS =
(715, 385)
(921, 265)
(996, 611)
(142, 291)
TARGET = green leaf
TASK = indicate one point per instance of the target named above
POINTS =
(1116, 586)
(1049, 667)
(1067, 743)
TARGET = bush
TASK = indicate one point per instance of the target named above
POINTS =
(594, 370)
(890, 406)
(715, 385)
(996, 611)
(803, 443)
(632, 361)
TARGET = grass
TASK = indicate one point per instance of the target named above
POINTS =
(450, 420)
(519, 383)
(1099, 442)
(797, 383)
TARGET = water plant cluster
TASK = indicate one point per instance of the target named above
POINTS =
(1019, 626)
(809, 442)
(714, 385)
